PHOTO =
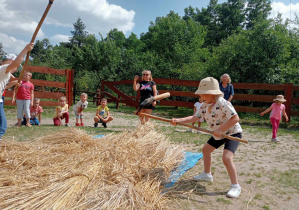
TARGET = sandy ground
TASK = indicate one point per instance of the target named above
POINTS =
(260, 165)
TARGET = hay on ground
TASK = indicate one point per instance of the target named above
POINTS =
(71, 169)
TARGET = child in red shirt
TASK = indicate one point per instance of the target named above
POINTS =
(25, 98)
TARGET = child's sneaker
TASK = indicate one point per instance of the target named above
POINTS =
(95, 125)
(204, 177)
(68, 125)
(275, 140)
(234, 191)
(82, 124)
(77, 124)
(190, 130)
(104, 124)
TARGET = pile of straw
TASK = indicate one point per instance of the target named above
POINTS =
(72, 169)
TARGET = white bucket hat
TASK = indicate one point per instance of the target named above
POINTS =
(10, 57)
(209, 85)
(280, 98)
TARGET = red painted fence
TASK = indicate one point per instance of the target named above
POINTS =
(49, 98)
(287, 90)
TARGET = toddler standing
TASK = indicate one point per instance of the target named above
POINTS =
(197, 105)
(61, 112)
(79, 107)
(103, 115)
(35, 110)
(222, 118)
(276, 109)
(25, 96)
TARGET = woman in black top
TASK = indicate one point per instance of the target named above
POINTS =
(147, 89)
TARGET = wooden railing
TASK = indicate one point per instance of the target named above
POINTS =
(46, 95)
(287, 90)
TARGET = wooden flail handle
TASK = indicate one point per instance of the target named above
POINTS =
(193, 127)
(32, 40)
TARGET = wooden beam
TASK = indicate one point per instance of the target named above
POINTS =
(46, 70)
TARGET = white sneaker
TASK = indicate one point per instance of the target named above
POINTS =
(234, 191)
(190, 130)
(275, 140)
(204, 177)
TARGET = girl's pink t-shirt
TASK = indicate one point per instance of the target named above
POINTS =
(35, 112)
(277, 110)
(24, 91)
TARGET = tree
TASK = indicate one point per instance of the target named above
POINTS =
(40, 50)
(257, 11)
(2, 53)
(79, 35)
(176, 42)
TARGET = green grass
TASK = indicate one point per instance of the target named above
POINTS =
(290, 179)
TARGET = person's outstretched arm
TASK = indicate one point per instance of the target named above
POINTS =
(267, 110)
(16, 63)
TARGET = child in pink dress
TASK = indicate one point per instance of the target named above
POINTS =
(275, 116)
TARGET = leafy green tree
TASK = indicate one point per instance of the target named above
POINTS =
(2, 53)
(78, 35)
(176, 41)
(257, 11)
(252, 56)
(117, 36)
(39, 51)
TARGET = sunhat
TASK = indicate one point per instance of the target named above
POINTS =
(9, 57)
(209, 85)
(12, 57)
(280, 98)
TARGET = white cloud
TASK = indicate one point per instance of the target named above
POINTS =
(19, 18)
(11, 44)
(287, 11)
(59, 38)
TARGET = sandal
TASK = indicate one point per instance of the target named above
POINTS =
(28, 125)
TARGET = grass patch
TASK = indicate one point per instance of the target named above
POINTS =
(290, 179)
(222, 200)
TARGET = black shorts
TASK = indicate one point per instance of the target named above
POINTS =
(230, 145)
(101, 121)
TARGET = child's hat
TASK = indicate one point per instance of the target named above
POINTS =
(280, 98)
(9, 57)
(209, 85)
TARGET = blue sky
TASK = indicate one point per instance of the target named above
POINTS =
(19, 18)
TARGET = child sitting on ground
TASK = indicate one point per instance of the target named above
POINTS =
(25, 96)
(79, 107)
(61, 112)
(35, 110)
(197, 105)
(103, 115)
(275, 116)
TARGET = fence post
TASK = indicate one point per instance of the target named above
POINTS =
(71, 87)
(98, 97)
(67, 86)
(288, 95)
(117, 103)
(102, 89)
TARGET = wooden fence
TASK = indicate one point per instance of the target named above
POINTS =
(47, 96)
(287, 90)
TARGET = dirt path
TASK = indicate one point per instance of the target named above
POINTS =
(261, 166)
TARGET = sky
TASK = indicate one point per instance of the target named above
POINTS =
(19, 18)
